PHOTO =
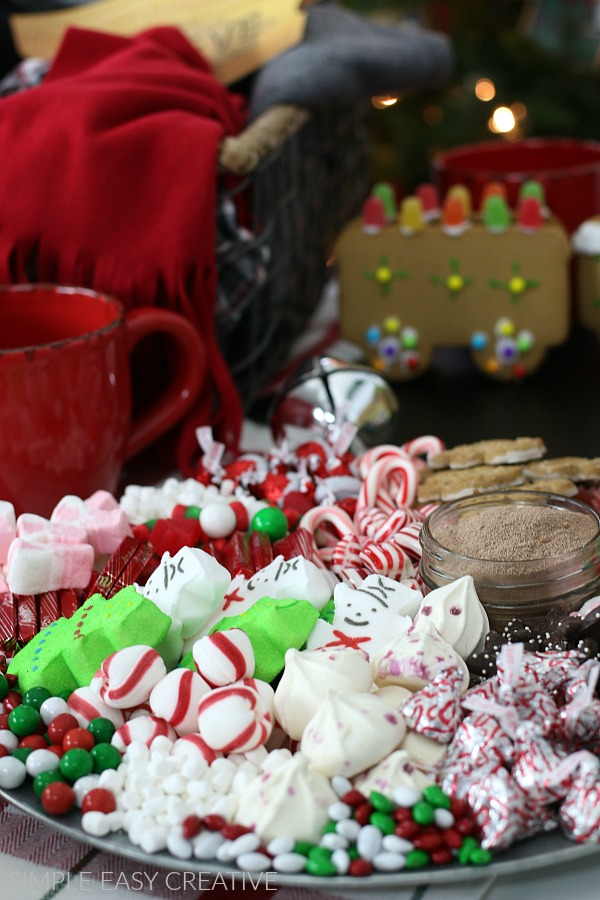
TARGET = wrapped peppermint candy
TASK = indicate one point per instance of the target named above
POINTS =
(503, 812)
(481, 740)
(435, 710)
(534, 758)
(580, 717)
(579, 814)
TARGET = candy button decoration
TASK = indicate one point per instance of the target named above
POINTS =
(270, 521)
(176, 699)
(224, 657)
(129, 676)
(234, 719)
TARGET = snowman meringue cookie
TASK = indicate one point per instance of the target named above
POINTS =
(309, 674)
(292, 800)
(350, 733)
(456, 614)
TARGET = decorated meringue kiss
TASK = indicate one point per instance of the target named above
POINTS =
(309, 674)
(292, 800)
(350, 733)
(414, 659)
(396, 770)
(457, 615)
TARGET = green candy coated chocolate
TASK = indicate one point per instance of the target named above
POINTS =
(76, 763)
(23, 720)
(381, 803)
(434, 794)
(423, 813)
(101, 730)
(330, 827)
(22, 753)
(105, 756)
(35, 697)
(416, 859)
(271, 521)
(320, 866)
(385, 823)
(480, 856)
(43, 778)
(466, 849)
(318, 853)
(192, 512)
(303, 847)
(3, 687)
(353, 853)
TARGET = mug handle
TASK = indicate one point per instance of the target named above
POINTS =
(186, 382)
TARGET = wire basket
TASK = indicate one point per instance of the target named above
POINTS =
(304, 175)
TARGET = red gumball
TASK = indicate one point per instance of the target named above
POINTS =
(58, 798)
(34, 742)
(78, 737)
(99, 800)
(59, 726)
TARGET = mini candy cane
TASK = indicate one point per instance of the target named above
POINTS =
(384, 451)
(380, 527)
(391, 482)
(359, 552)
(427, 445)
(339, 520)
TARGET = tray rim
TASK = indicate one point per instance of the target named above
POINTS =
(539, 851)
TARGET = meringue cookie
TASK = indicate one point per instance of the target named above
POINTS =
(292, 800)
(309, 674)
(129, 675)
(351, 732)
(412, 660)
(425, 753)
(397, 769)
(457, 615)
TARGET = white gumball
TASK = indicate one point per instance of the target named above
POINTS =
(217, 520)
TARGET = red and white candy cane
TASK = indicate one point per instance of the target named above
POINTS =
(374, 523)
(383, 451)
(360, 552)
(337, 521)
(428, 445)
(390, 483)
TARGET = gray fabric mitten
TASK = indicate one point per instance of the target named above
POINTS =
(345, 57)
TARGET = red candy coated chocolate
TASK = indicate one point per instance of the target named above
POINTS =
(60, 725)
(78, 737)
(58, 798)
(99, 800)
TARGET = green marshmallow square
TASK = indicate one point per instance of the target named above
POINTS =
(273, 626)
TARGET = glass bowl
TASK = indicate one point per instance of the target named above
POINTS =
(525, 589)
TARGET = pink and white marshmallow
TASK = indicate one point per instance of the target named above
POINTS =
(8, 529)
(129, 675)
(176, 698)
(145, 729)
(36, 568)
(224, 657)
(235, 719)
(100, 516)
(86, 704)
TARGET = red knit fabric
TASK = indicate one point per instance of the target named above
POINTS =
(108, 176)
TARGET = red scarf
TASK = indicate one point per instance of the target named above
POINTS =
(108, 178)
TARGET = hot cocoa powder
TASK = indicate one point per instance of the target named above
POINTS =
(514, 533)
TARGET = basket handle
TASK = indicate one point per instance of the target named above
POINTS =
(242, 154)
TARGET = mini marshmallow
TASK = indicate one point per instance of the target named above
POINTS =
(234, 718)
(176, 699)
(130, 675)
(33, 569)
(188, 587)
(8, 529)
(224, 657)
(86, 704)
(145, 729)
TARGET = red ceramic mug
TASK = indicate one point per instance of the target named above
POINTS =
(65, 390)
